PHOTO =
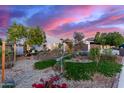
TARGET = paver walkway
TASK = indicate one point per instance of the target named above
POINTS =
(121, 79)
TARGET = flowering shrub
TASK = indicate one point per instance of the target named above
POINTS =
(53, 82)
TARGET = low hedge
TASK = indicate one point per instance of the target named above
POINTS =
(44, 64)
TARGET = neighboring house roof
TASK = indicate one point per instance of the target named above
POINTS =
(90, 39)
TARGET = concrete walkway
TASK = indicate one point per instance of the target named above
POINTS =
(121, 79)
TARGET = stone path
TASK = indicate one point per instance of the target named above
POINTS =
(20, 70)
(24, 74)
(121, 79)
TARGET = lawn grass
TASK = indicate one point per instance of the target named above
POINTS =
(44, 64)
(80, 71)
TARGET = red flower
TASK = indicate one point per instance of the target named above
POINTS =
(64, 85)
(50, 83)
(33, 85)
(38, 85)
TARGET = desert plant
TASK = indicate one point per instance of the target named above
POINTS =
(44, 64)
(108, 68)
(80, 71)
(95, 54)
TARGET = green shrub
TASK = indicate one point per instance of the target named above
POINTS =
(44, 64)
(78, 71)
(107, 51)
(94, 54)
(109, 68)
(111, 58)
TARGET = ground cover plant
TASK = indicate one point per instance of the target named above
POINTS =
(44, 64)
(109, 68)
(80, 71)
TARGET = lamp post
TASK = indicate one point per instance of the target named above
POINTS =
(3, 60)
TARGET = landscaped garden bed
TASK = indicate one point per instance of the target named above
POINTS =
(80, 71)
(98, 80)
(84, 75)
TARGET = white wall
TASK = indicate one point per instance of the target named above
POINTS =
(19, 50)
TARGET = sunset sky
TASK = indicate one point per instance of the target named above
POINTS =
(62, 21)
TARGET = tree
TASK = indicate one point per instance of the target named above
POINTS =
(95, 54)
(78, 36)
(69, 44)
(15, 33)
(31, 36)
(0, 41)
(97, 37)
(118, 39)
(113, 38)
(35, 36)
(103, 39)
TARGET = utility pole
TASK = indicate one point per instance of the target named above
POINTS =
(3, 60)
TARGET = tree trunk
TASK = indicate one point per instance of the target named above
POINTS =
(3, 61)
(14, 52)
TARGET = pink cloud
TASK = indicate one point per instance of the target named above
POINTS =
(73, 14)
(54, 23)
(4, 17)
(70, 15)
